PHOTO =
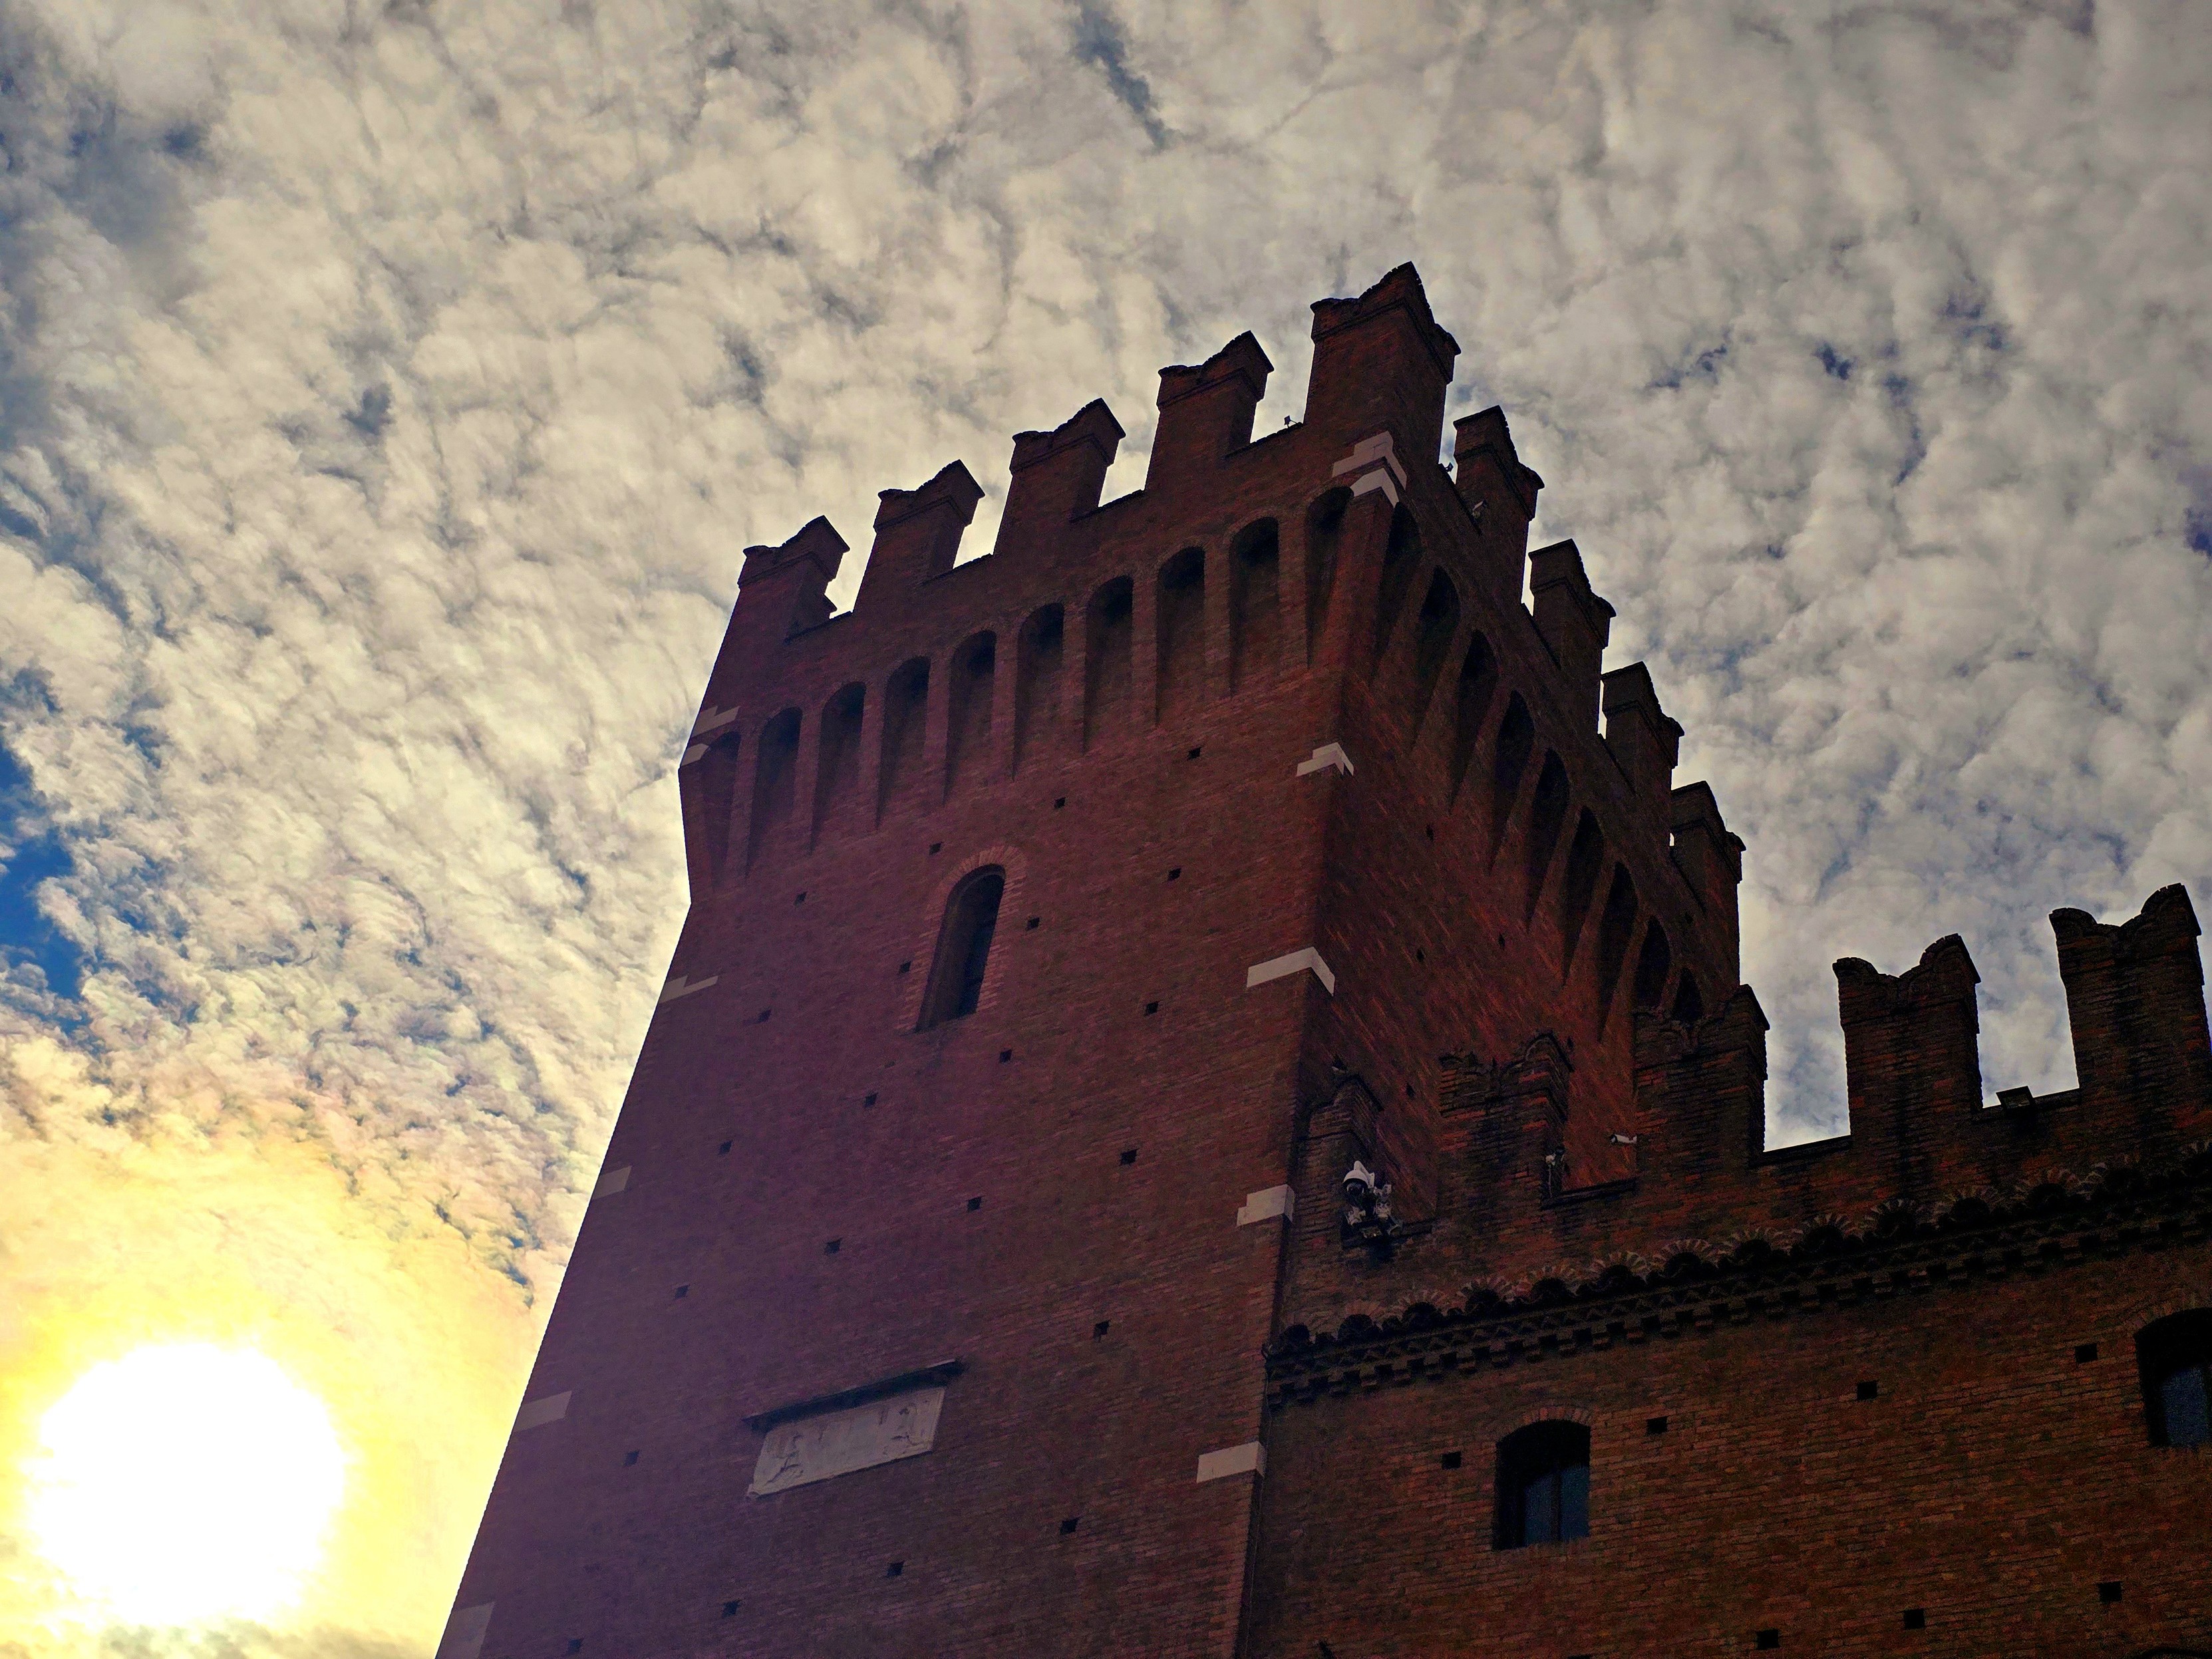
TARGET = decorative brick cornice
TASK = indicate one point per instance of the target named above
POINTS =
(2056, 1221)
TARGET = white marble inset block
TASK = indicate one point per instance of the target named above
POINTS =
(1380, 480)
(546, 1408)
(830, 1443)
(1266, 1204)
(464, 1632)
(1378, 451)
(1328, 755)
(611, 1182)
(681, 987)
(714, 719)
(1250, 1458)
(1283, 967)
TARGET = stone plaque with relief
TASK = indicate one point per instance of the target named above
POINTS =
(806, 1449)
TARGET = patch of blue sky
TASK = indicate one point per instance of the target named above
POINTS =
(31, 854)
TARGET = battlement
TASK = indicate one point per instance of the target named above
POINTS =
(1335, 565)
(1516, 1210)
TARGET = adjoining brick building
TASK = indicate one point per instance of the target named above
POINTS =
(1202, 1107)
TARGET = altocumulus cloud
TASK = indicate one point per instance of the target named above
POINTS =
(389, 391)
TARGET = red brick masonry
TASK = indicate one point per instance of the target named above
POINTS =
(1875, 1394)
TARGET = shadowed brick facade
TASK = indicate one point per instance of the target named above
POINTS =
(1319, 848)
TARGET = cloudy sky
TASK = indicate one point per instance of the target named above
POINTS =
(386, 391)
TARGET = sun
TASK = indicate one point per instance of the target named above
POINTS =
(185, 1483)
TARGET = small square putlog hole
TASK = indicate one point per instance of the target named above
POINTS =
(2086, 1352)
(1101, 1329)
(975, 1204)
(1655, 1426)
(1451, 1459)
(830, 1247)
(1869, 1390)
(1915, 1619)
(1128, 1155)
(1070, 1524)
(2109, 1591)
(895, 1569)
(729, 1609)
(1768, 1639)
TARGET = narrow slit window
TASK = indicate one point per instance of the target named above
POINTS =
(964, 947)
(1543, 1484)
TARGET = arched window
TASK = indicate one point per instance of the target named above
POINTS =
(1255, 619)
(1401, 557)
(964, 947)
(1324, 534)
(1037, 690)
(1543, 1484)
(718, 798)
(1181, 624)
(1435, 627)
(1106, 657)
(837, 775)
(2175, 1354)
(1478, 678)
(968, 738)
(1585, 861)
(776, 781)
(906, 717)
(1547, 816)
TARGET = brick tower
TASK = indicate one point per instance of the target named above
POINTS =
(1202, 1107)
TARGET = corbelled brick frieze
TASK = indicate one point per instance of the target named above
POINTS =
(1688, 1287)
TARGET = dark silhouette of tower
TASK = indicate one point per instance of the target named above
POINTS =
(1203, 1107)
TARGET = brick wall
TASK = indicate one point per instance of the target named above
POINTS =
(1993, 1483)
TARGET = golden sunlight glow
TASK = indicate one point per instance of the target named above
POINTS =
(185, 1483)
(338, 1306)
